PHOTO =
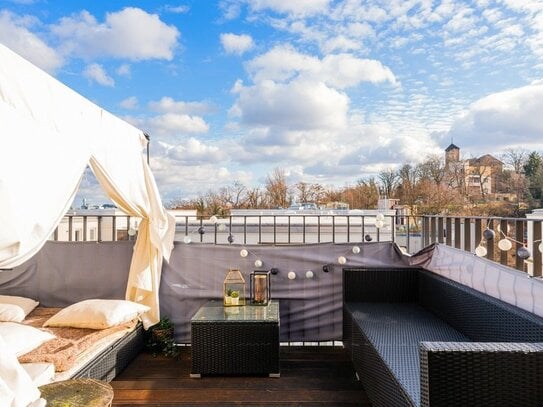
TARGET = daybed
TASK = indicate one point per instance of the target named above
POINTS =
(419, 339)
(96, 354)
(89, 339)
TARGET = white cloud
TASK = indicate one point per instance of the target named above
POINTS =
(96, 73)
(236, 44)
(502, 119)
(182, 9)
(129, 103)
(124, 70)
(169, 105)
(174, 124)
(15, 34)
(283, 63)
(130, 33)
(296, 8)
(193, 151)
(299, 105)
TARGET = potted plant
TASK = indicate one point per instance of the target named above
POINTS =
(228, 297)
(235, 298)
(160, 338)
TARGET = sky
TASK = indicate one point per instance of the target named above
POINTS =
(330, 91)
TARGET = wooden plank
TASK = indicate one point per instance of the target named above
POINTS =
(310, 376)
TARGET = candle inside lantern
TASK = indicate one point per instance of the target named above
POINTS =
(260, 289)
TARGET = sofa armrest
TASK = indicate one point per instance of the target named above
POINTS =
(481, 373)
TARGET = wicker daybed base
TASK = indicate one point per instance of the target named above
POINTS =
(114, 359)
(418, 339)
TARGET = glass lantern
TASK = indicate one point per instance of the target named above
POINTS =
(260, 287)
(234, 288)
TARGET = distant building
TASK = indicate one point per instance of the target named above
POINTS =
(475, 176)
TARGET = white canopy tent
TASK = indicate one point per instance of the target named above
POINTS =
(48, 135)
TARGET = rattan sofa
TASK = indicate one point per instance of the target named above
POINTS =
(419, 339)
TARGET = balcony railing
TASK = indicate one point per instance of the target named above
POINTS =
(411, 233)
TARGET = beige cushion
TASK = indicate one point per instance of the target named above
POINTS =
(14, 308)
(97, 314)
(21, 339)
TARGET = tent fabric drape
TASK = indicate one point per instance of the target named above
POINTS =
(49, 133)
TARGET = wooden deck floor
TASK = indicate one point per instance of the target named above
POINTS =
(310, 376)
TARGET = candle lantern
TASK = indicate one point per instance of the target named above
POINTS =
(234, 288)
(260, 287)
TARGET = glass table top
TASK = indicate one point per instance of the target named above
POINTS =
(215, 311)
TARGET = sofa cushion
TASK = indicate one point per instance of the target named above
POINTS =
(395, 330)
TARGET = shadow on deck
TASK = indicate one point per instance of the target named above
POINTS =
(310, 376)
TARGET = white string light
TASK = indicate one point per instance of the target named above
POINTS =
(480, 251)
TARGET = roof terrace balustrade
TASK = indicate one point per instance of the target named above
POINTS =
(412, 233)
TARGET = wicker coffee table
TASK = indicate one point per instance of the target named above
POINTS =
(240, 340)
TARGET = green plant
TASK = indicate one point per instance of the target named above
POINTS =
(229, 292)
(235, 294)
(159, 339)
(164, 323)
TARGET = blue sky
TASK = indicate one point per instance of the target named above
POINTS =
(330, 91)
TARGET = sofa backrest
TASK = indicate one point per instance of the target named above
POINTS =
(387, 284)
(477, 315)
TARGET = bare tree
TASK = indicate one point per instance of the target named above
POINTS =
(407, 184)
(309, 192)
(389, 180)
(368, 193)
(255, 198)
(433, 168)
(277, 189)
(516, 158)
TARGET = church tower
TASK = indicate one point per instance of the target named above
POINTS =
(452, 154)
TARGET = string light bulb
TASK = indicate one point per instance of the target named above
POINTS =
(489, 234)
(523, 253)
(258, 263)
(505, 244)
(243, 253)
(480, 251)
(356, 249)
(341, 260)
(187, 239)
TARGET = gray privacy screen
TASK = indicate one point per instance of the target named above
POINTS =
(311, 309)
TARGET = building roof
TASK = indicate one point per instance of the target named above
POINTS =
(486, 159)
(452, 147)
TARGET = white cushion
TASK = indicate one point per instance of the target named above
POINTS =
(21, 339)
(15, 378)
(11, 313)
(26, 306)
(97, 314)
(40, 372)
